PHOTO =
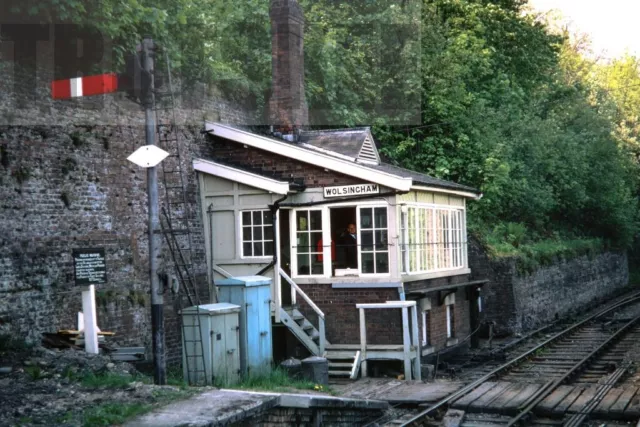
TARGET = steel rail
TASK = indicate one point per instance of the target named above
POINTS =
(417, 420)
(541, 395)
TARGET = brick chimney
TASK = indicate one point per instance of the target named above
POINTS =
(287, 105)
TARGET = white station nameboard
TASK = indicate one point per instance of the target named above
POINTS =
(351, 190)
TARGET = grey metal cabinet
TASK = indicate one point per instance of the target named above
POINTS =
(214, 329)
(253, 295)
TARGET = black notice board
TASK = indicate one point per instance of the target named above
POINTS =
(90, 266)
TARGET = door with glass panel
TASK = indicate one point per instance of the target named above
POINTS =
(373, 238)
(307, 230)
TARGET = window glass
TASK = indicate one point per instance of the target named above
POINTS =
(374, 249)
(435, 239)
(257, 233)
(309, 242)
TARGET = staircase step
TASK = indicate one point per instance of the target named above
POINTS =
(340, 365)
(340, 354)
(340, 373)
(307, 325)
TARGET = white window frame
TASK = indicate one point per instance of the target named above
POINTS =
(293, 233)
(326, 237)
(425, 328)
(372, 207)
(456, 215)
(450, 302)
(264, 242)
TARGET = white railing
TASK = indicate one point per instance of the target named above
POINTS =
(295, 289)
(410, 343)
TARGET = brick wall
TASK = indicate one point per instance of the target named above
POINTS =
(309, 417)
(273, 164)
(342, 319)
(65, 183)
(520, 301)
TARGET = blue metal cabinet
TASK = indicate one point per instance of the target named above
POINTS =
(253, 295)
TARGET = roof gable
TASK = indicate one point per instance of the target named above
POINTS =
(368, 152)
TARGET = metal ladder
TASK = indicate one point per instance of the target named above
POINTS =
(175, 224)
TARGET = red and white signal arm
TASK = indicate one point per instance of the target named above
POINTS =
(84, 86)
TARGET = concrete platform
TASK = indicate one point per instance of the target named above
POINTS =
(222, 407)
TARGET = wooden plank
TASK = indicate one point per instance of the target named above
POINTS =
(585, 397)
(621, 404)
(512, 392)
(633, 409)
(568, 400)
(512, 406)
(464, 401)
(609, 399)
(417, 392)
(379, 347)
(485, 401)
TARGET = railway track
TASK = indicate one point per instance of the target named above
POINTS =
(574, 371)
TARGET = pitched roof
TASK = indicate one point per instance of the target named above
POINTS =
(353, 152)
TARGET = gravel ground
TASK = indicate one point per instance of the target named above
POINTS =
(41, 386)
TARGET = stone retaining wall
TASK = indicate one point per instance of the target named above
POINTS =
(65, 183)
(518, 301)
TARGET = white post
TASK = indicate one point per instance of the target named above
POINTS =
(406, 340)
(363, 343)
(322, 340)
(417, 374)
(90, 320)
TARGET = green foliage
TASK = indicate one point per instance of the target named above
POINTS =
(34, 372)
(109, 380)
(276, 380)
(549, 137)
(531, 255)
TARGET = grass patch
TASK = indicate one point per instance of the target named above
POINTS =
(113, 413)
(175, 378)
(109, 380)
(277, 380)
(34, 372)
(531, 255)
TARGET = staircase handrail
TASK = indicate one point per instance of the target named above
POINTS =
(293, 284)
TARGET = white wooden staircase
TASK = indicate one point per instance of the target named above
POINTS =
(343, 363)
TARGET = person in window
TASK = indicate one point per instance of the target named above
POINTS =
(348, 247)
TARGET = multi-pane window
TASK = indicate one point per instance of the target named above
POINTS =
(374, 249)
(309, 242)
(257, 233)
(451, 321)
(434, 239)
(450, 302)
(426, 319)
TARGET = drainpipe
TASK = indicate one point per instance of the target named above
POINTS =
(212, 285)
(274, 208)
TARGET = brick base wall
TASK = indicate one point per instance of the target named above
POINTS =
(342, 318)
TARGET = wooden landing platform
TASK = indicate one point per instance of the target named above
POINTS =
(397, 391)
(505, 398)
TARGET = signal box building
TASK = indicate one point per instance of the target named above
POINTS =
(287, 207)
